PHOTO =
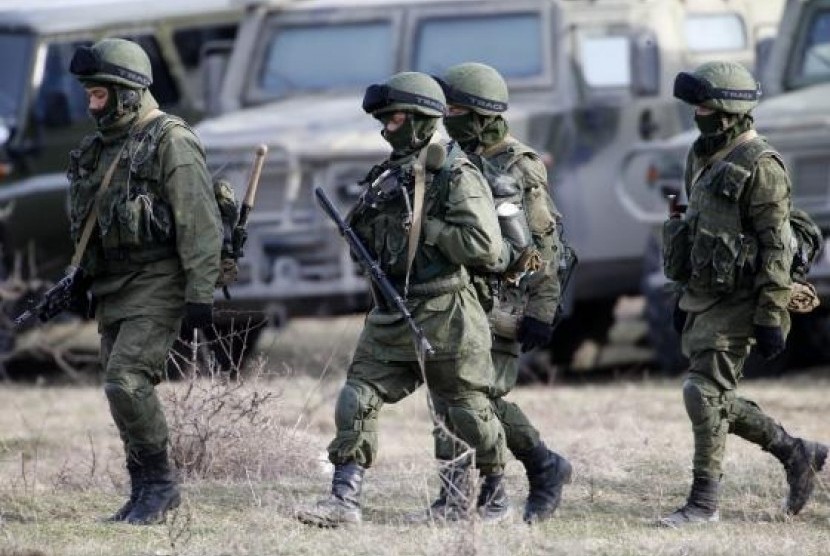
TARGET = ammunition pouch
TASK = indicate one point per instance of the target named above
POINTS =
(504, 324)
(676, 250)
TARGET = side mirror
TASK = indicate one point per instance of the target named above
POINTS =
(214, 62)
(56, 109)
(645, 64)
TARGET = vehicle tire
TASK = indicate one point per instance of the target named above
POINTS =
(809, 339)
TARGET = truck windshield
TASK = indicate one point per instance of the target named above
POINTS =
(308, 58)
(15, 56)
(510, 42)
(813, 64)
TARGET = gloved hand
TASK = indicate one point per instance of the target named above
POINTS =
(678, 318)
(770, 341)
(198, 315)
(81, 301)
(533, 333)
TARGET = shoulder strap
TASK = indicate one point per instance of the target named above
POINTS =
(741, 139)
(89, 224)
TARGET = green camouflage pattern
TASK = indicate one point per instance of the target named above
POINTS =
(156, 245)
(133, 356)
(459, 229)
(730, 206)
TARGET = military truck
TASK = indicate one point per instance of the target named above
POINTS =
(795, 83)
(43, 109)
(587, 78)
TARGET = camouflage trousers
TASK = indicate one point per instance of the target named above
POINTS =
(520, 435)
(458, 388)
(133, 355)
(718, 342)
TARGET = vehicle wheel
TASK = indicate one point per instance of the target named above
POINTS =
(659, 309)
(809, 339)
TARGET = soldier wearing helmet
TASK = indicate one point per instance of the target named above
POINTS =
(142, 206)
(521, 292)
(421, 186)
(731, 256)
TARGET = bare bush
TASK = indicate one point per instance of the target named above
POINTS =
(224, 425)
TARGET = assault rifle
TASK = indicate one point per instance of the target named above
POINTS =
(56, 299)
(390, 294)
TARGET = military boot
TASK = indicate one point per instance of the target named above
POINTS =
(547, 473)
(701, 506)
(493, 505)
(342, 507)
(159, 492)
(454, 498)
(802, 459)
(136, 484)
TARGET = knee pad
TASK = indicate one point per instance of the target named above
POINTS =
(357, 401)
(127, 397)
(702, 403)
(477, 427)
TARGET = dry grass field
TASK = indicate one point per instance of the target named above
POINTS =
(61, 469)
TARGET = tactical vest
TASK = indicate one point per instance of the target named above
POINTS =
(135, 220)
(382, 221)
(711, 251)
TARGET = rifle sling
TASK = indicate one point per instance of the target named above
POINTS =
(92, 217)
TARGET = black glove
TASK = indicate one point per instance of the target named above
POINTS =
(533, 333)
(678, 318)
(198, 315)
(81, 301)
(770, 341)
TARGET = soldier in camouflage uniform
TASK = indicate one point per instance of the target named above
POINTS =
(153, 255)
(732, 256)
(522, 291)
(459, 229)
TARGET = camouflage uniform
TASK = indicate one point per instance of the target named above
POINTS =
(524, 279)
(153, 254)
(732, 254)
(459, 230)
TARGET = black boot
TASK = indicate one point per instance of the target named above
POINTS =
(136, 484)
(802, 459)
(342, 507)
(159, 493)
(701, 506)
(454, 499)
(547, 472)
(493, 505)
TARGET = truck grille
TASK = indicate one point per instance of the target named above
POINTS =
(811, 177)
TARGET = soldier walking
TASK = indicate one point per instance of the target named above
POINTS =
(142, 198)
(521, 292)
(459, 229)
(732, 255)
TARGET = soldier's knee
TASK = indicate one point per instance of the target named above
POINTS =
(701, 400)
(357, 402)
(127, 395)
(478, 426)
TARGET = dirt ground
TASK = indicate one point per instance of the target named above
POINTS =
(61, 469)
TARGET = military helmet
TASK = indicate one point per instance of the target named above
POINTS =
(116, 61)
(478, 87)
(407, 91)
(722, 86)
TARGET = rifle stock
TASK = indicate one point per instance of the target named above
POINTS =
(390, 294)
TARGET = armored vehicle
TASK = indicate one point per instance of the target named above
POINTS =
(587, 79)
(795, 84)
(43, 109)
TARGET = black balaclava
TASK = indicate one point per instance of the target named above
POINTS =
(411, 136)
(719, 129)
